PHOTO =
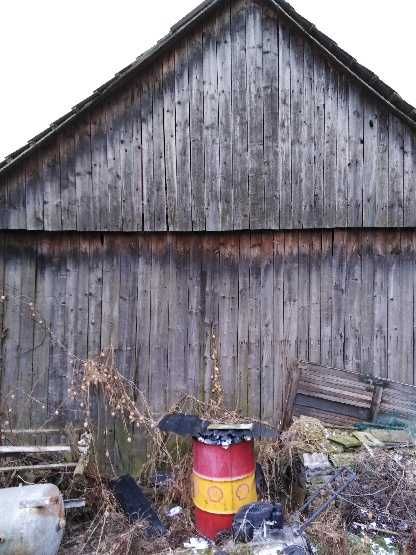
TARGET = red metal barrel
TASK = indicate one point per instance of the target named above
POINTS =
(223, 481)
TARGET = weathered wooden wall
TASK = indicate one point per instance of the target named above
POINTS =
(342, 298)
(243, 125)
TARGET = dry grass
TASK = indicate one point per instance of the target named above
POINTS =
(329, 533)
(384, 494)
(109, 531)
(281, 460)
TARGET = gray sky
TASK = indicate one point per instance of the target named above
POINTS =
(54, 53)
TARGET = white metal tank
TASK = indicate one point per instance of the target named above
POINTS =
(32, 520)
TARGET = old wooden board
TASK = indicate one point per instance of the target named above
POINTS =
(345, 396)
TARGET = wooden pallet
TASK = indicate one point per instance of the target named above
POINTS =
(343, 398)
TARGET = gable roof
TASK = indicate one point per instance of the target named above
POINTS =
(364, 76)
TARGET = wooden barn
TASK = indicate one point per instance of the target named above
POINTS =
(246, 176)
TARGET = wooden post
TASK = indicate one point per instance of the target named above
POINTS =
(291, 396)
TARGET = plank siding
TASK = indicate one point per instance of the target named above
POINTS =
(242, 191)
(270, 298)
(243, 124)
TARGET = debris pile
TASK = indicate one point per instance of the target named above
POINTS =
(383, 498)
(317, 489)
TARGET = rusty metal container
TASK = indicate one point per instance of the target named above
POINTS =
(223, 481)
(32, 520)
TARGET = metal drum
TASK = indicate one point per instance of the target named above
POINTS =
(32, 520)
(223, 481)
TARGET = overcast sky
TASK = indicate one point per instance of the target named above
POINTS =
(53, 53)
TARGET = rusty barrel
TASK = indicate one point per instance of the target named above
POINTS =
(223, 481)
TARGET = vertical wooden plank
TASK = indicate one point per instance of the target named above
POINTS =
(315, 297)
(254, 38)
(341, 202)
(240, 140)
(209, 309)
(380, 296)
(80, 263)
(267, 362)
(100, 177)
(304, 298)
(196, 86)
(297, 125)
(83, 175)
(243, 321)
(147, 152)
(111, 294)
(189, 372)
(16, 199)
(45, 278)
(95, 291)
(128, 306)
(144, 255)
(404, 372)
(211, 129)
(371, 162)
(339, 301)
(291, 300)
(356, 155)
(112, 113)
(135, 216)
(195, 327)
(326, 298)
(58, 379)
(183, 155)
(126, 360)
(285, 130)
(330, 157)
(178, 316)
(68, 187)
(414, 306)
(3, 334)
(110, 329)
(159, 170)
(279, 382)
(11, 324)
(353, 292)
(52, 188)
(228, 314)
(170, 145)
(368, 303)
(396, 176)
(71, 256)
(409, 177)
(271, 117)
(319, 138)
(224, 61)
(158, 377)
(34, 194)
(4, 212)
(308, 129)
(254, 329)
(395, 337)
(382, 193)
(129, 188)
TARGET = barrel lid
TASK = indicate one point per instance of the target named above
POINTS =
(224, 437)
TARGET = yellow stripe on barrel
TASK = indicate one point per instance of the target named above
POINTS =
(223, 497)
